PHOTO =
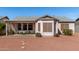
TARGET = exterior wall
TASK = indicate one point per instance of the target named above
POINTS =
(14, 27)
(36, 27)
(64, 26)
(57, 26)
(41, 28)
(77, 26)
(4, 19)
(72, 26)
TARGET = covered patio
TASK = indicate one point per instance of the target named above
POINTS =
(20, 27)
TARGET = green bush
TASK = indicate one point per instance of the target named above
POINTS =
(38, 35)
(11, 31)
(68, 32)
(21, 33)
(26, 32)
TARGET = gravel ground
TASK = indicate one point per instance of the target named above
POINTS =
(23, 43)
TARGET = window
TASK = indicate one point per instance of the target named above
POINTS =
(19, 26)
(47, 27)
(30, 26)
(38, 26)
(64, 26)
(24, 26)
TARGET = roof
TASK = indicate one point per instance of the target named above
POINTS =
(1, 17)
(35, 18)
(66, 21)
(26, 18)
(62, 18)
(46, 17)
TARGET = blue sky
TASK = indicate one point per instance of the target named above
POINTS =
(12, 12)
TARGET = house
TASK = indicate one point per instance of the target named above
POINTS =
(3, 19)
(46, 25)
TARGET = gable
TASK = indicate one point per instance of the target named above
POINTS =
(47, 18)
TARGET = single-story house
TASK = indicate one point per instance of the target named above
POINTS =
(46, 25)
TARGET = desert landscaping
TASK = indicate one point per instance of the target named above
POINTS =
(31, 43)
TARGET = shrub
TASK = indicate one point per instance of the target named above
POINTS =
(11, 31)
(21, 33)
(17, 32)
(25, 33)
(2, 27)
(38, 35)
(2, 33)
(67, 32)
(57, 35)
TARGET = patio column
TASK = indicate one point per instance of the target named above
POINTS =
(22, 26)
(27, 26)
(33, 27)
(6, 29)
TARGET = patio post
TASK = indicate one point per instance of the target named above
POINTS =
(27, 26)
(6, 30)
(22, 26)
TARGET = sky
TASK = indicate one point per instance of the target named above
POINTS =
(12, 12)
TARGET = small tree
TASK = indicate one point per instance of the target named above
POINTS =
(2, 27)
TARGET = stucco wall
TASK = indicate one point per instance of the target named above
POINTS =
(77, 26)
(57, 26)
(72, 26)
